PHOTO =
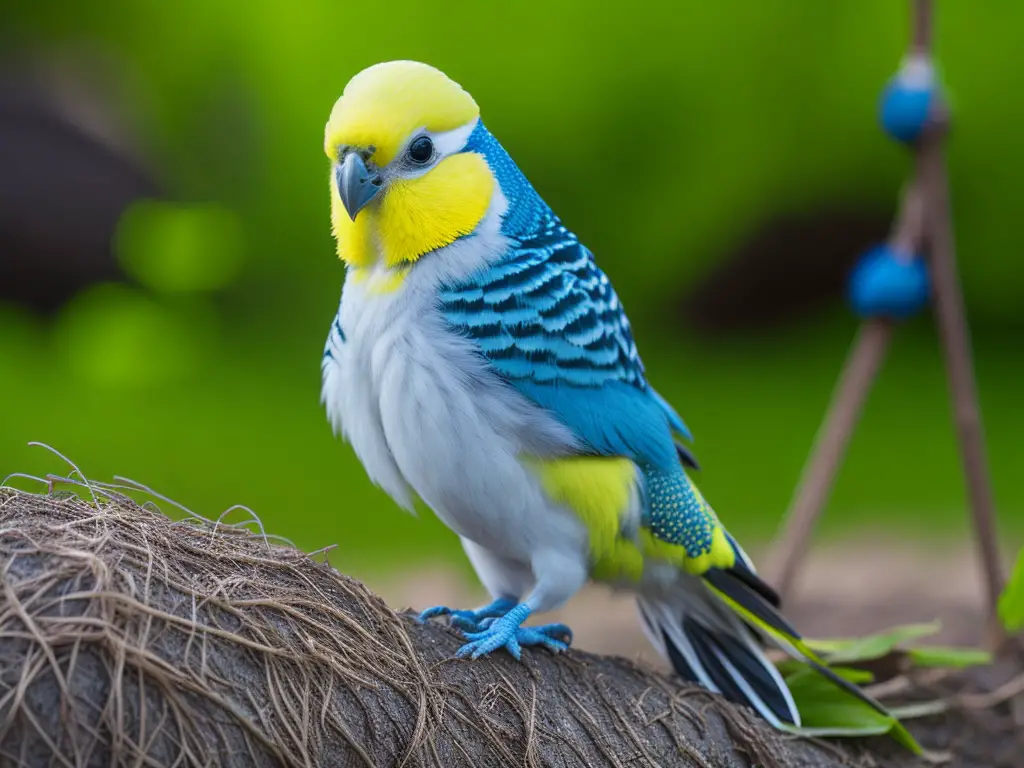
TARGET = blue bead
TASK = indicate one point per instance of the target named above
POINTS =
(907, 102)
(884, 285)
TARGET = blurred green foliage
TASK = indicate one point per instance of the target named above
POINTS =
(1011, 601)
(180, 249)
(663, 133)
(113, 336)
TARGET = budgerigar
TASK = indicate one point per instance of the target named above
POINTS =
(481, 361)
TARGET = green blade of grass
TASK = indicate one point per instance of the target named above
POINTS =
(1011, 602)
(870, 647)
(943, 656)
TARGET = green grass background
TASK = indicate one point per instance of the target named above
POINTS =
(250, 431)
(665, 134)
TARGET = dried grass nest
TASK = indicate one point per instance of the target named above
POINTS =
(129, 639)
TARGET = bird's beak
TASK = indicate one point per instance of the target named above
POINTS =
(356, 185)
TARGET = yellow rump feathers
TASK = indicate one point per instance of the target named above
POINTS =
(600, 490)
(385, 103)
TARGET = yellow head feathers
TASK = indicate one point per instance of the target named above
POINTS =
(385, 103)
(417, 209)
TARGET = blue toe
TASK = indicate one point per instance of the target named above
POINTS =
(506, 632)
(471, 621)
(464, 620)
(530, 636)
(547, 634)
(437, 610)
(489, 640)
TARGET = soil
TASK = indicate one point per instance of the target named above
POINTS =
(980, 733)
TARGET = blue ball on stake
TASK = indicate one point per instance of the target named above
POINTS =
(888, 284)
(909, 101)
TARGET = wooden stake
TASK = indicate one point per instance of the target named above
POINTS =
(855, 382)
(951, 319)
(925, 215)
(859, 372)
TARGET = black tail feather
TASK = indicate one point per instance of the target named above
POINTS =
(679, 663)
(727, 660)
(753, 670)
(737, 589)
(686, 456)
(738, 674)
(704, 644)
(731, 584)
(745, 574)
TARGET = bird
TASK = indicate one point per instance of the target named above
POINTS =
(481, 363)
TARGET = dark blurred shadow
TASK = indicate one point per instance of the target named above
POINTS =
(790, 268)
(62, 191)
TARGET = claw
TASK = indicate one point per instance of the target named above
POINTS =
(437, 610)
(465, 620)
(471, 621)
(506, 632)
(554, 631)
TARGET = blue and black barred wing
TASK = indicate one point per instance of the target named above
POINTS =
(548, 320)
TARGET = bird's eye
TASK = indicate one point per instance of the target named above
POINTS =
(421, 150)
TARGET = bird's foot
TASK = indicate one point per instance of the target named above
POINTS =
(471, 621)
(507, 632)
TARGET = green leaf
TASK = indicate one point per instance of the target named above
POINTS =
(853, 650)
(1011, 602)
(828, 711)
(942, 656)
(792, 669)
(904, 737)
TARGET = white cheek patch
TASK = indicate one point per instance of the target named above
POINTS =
(445, 144)
(453, 141)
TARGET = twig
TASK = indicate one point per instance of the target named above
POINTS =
(952, 322)
(921, 40)
(1004, 692)
(916, 679)
(862, 365)
(925, 215)
(855, 382)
